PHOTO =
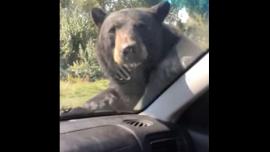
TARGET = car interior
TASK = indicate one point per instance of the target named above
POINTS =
(177, 120)
(181, 126)
(135, 133)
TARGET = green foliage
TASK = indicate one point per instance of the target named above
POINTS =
(88, 68)
(77, 37)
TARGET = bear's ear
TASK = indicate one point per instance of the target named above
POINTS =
(161, 10)
(98, 16)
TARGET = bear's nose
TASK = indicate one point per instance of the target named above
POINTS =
(129, 50)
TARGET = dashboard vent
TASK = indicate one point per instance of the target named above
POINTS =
(138, 123)
(166, 145)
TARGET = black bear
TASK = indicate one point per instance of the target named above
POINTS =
(132, 43)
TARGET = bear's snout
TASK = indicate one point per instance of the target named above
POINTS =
(129, 50)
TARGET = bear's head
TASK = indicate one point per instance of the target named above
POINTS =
(130, 39)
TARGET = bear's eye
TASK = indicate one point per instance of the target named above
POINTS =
(141, 26)
(112, 30)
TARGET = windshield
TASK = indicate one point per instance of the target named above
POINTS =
(114, 61)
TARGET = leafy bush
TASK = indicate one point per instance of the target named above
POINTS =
(77, 37)
(87, 68)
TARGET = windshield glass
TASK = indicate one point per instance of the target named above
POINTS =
(118, 61)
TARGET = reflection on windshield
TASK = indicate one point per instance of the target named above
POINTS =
(130, 76)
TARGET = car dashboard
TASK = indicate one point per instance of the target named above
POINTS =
(121, 133)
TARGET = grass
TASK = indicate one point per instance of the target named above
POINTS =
(76, 92)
